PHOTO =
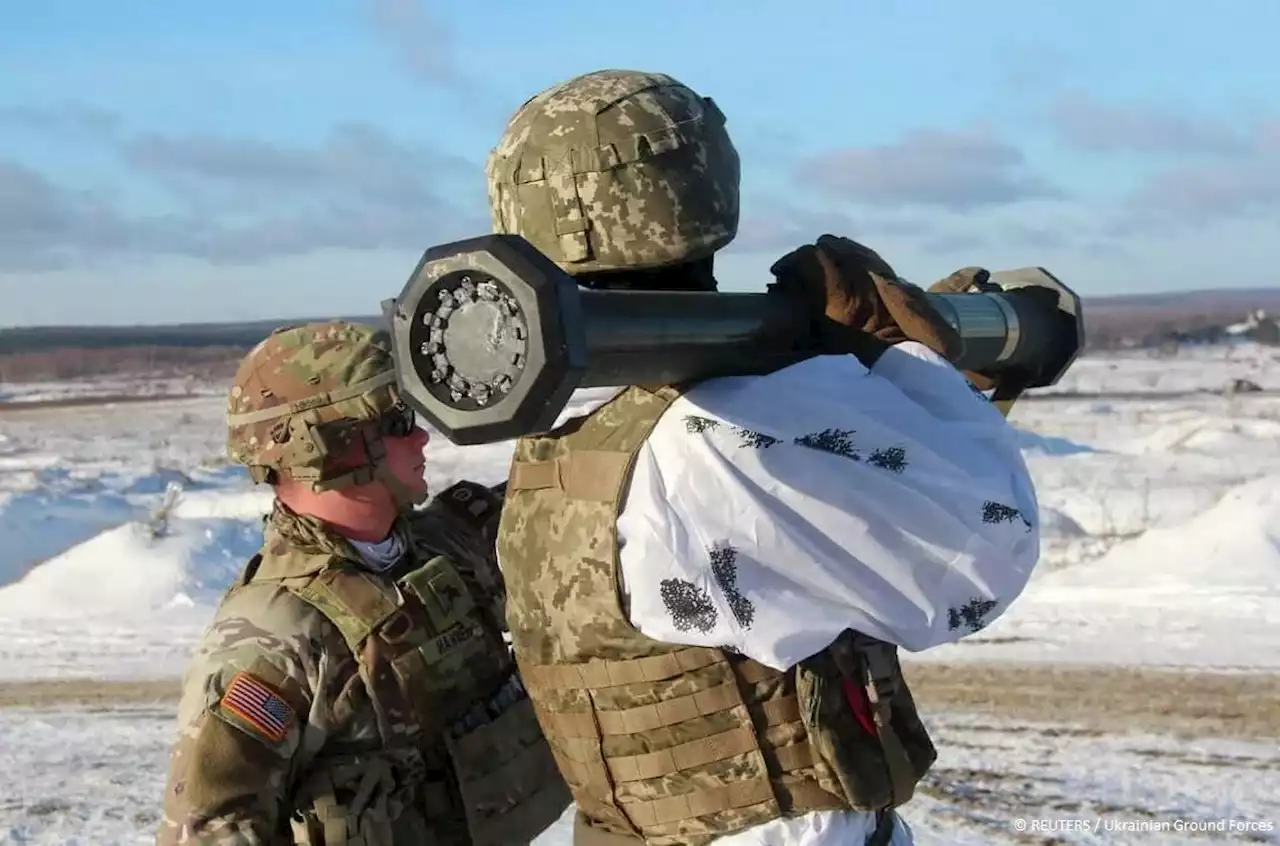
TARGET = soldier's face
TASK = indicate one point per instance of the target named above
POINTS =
(405, 458)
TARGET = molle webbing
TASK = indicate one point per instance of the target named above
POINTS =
(681, 792)
(510, 784)
(602, 673)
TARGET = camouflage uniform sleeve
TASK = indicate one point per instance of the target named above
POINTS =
(248, 721)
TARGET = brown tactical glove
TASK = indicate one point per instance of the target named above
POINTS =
(852, 285)
(966, 280)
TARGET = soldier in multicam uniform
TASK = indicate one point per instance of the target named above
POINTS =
(708, 584)
(354, 686)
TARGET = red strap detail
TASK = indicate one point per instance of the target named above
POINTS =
(860, 705)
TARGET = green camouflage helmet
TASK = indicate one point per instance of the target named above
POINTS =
(616, 170)
(305, 394)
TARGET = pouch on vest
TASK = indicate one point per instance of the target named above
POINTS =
(452, 657)
(501, 763)
(510, 783)
(353, 805)
(876, 771)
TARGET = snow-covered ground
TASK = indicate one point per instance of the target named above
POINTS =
(990, 778)
(121, 524)
(1193, 368)
(1162, 536)
(33, 392)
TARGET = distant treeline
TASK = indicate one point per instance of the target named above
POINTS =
(1111, 327)
(28, 339)
(212, 350)
(64, 363)
(203, 351)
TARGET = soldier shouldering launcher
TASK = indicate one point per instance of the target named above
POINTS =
(709, 583)
(354, 686)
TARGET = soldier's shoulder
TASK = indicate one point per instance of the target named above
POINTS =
(270, 613)
(265, 630)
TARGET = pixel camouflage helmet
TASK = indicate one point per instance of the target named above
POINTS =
(616, 170)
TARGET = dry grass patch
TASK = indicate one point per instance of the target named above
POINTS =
(1104, 698)
(1088, 699)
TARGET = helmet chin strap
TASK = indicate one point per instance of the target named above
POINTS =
(404, 497)
(376, 469)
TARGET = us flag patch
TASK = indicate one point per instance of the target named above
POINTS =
(259, 706)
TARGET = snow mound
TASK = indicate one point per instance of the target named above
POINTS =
(1202, 594)
(125, 571)
(1192, 368)
(37, 524)
(1209, 435)
(48, 508)
(1231, 548)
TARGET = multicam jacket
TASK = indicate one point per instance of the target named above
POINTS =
(328, 704)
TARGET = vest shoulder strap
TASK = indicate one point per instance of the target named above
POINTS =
(598, 464)
(355, 602)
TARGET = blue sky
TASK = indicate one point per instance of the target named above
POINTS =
(191, 162)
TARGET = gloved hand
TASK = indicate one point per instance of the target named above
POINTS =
(964, 280)
(852, 285)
